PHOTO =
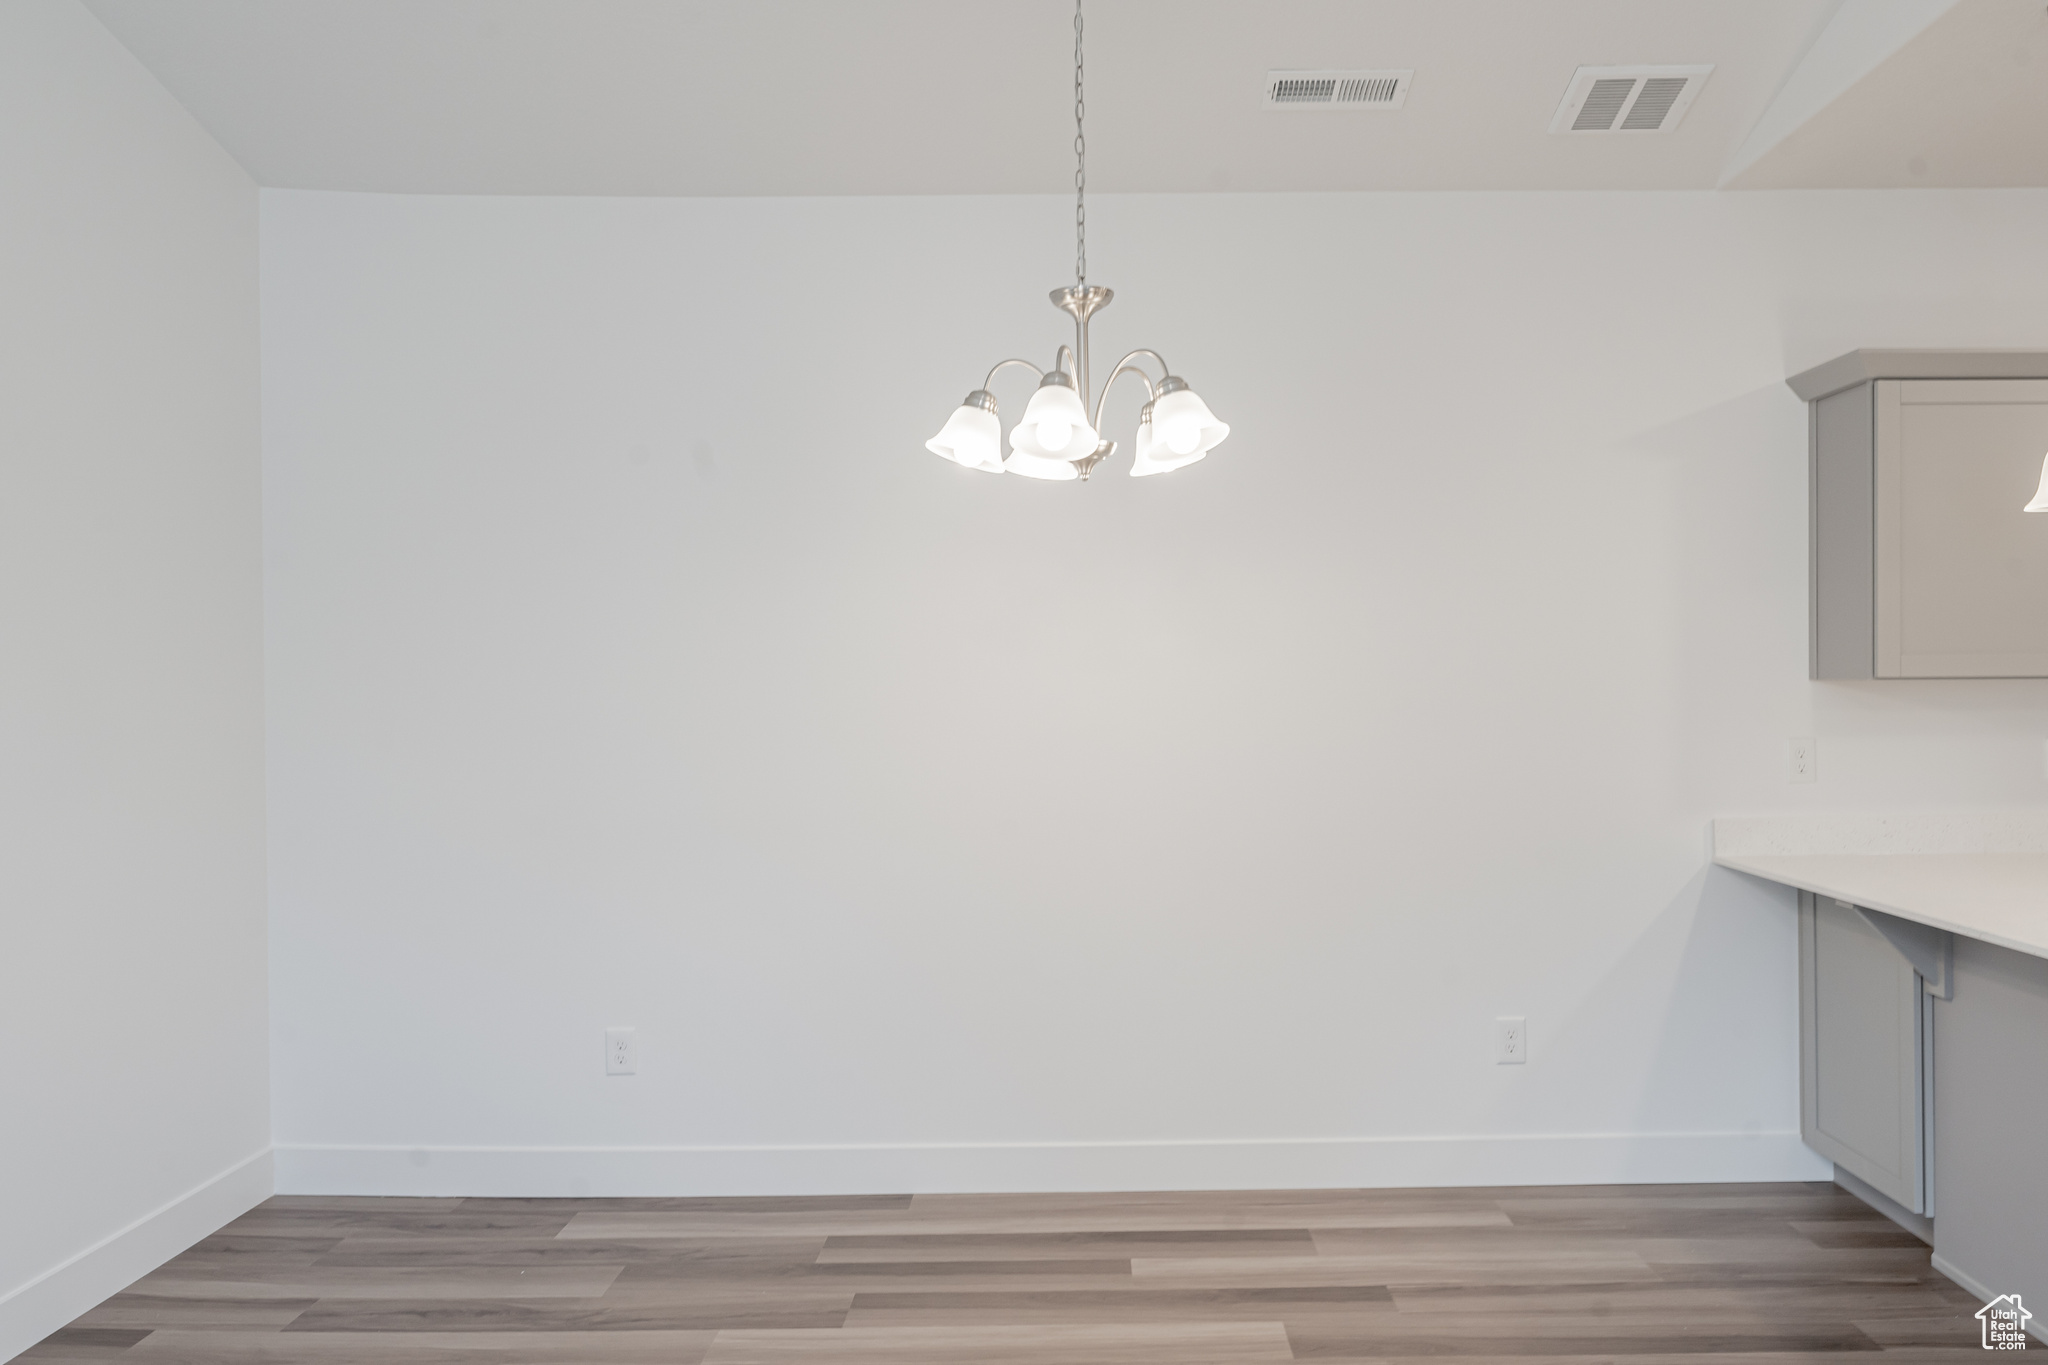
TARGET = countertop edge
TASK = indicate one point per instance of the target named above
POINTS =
(1772, 867)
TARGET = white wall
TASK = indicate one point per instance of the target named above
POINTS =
(134, 1085)
(631, 663)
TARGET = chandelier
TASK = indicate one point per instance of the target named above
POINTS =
(1058, 438)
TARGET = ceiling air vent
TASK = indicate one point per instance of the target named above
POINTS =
(1337, 89)
(1628, 99)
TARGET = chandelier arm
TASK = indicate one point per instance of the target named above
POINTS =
(1164, 368)
(997, 367)
(1139, 371)
(1123, 366)
(1065, 362)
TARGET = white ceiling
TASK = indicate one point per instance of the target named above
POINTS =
(1964, 103)
(745, 97)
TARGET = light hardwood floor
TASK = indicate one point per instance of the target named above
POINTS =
(1741, 1274)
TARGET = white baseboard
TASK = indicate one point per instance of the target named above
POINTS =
(32, 1311)
(1984, 1292)
(1335, 1163)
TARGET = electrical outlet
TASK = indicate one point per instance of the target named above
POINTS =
(1511, 1041)
(621, 1053)
(1802, 761)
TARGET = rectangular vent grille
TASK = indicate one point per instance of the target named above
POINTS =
(1603, 106)
(1628, 99)
(1337, 89)
(1653, 105)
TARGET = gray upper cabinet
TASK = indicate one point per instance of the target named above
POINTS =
(1922, 564)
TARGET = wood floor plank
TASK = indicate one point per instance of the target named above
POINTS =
(1567, 1334)
(362, 1203)
(133, 1310)
(719, 1256)
(1794, 1202)
(1220, 1343)
(1081, 1210)
(266, 1221)
(1489, 1242)
(1828, 1301)
(1779, 1255)
(1504, 1266)
(780, 1203)
(227, 1248)
(424, 1348)
(328, 1283)
(1866, 1232)
(1705, 1357)
(1956, 1326)
(78, 1342)
(1138, 1304)
(1017, 1219)
(970, 1276)
(1241, 1242)
(707, 1314)
(1687, 1215)
(1715, 1190)
(951, 1272)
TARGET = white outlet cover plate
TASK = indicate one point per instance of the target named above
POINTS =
(1511, 1040)
(621, 1052)
(1803, 767)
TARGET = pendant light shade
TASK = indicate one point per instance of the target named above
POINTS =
(1153, 455)
(1183, 422)
(1055, 424)
(1039, 466)
(2040, 502)
(973, 435)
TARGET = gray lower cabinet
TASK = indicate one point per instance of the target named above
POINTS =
(1993, 1042)
(1866, 1044)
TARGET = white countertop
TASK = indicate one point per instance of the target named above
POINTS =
(1981, 875)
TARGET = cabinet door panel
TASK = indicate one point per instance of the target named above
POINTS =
(1860, 1051)
(1962, 572)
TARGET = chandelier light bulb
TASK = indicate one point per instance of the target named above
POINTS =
(2040, 502)
(1057, 439)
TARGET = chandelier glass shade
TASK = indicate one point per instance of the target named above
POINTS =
(1059, 436)
(1055, 425)
(1040, 467)
(2040, 502)
(1154, 456)
(973, 435)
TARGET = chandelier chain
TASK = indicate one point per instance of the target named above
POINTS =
(1080, 164)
